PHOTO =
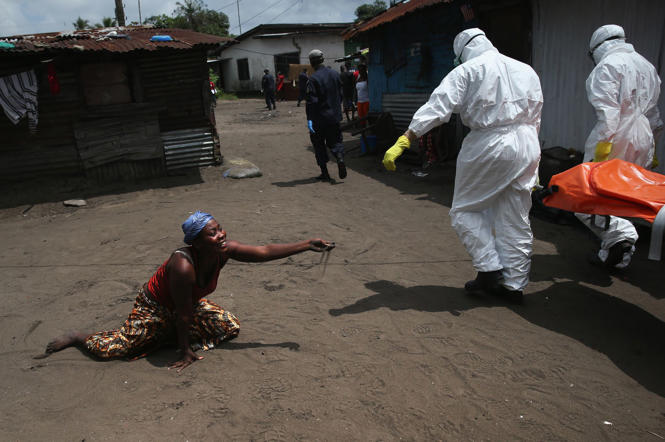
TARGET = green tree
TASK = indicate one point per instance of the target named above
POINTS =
(107, 22)
(81, 24)
(191, 11)
(160, 21)
(194, 15)
(215, 23)
(369, 10)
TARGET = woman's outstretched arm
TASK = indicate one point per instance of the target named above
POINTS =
(248, 253)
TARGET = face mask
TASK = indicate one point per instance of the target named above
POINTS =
(458, 60)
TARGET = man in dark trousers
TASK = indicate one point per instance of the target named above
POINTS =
(302, 85)
(324, 100)
(268, 86)
(348, 89)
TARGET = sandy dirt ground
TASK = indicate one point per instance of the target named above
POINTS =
(380, 344)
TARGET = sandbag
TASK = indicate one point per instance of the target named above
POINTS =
(239, 168)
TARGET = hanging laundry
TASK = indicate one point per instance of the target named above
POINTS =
(18, 97)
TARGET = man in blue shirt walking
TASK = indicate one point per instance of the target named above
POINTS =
(324, 101)
(268, 86)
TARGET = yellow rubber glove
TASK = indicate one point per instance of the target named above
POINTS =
(603, 150)
(655, 162)
(394, 152)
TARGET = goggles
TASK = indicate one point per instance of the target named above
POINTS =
(590, 53)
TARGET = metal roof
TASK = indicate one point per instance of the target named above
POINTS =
(290, 28)
(390, 15)
(114, 39)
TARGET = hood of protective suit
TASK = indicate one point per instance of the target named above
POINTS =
(471, 43)
(605, 38)
(605, 32)
(611, 46)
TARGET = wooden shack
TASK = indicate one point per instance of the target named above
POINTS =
(113, 104)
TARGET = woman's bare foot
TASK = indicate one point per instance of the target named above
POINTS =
(67, 340)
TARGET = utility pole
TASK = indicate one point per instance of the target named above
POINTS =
(119, 13)
(239, 24)
(140, 20)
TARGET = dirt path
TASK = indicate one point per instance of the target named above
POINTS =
(381, 344)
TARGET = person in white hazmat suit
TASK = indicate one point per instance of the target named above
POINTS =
(623, 88)
(500, 99)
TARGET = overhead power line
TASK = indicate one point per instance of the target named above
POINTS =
(281, 13)
(227, 5)
(252, 18)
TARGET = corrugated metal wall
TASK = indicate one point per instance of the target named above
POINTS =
(174, 83)
(561, 33)
(189, 148)
(131, 133)
(126, 171)
(402, 107)
(413, 54)
(52, 149)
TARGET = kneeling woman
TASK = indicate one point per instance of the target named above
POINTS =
(173, 299)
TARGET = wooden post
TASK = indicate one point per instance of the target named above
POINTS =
(119, 13)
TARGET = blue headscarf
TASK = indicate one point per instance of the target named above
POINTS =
(194, 224)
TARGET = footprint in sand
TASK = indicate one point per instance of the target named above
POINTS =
(422, 329)
(272, 287)
(349, 331)
(272, 388)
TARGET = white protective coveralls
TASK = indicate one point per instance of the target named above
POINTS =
(500, 99)
(623, 88)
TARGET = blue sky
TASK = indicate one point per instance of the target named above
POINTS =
(36, 16)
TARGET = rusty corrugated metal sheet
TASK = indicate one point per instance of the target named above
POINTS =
(292, 28)
(390, 15)
(109, 40)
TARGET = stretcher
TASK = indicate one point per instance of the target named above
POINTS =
(614, 187)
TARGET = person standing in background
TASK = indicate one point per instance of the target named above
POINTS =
(362, 93)
(268, 89)
(213, 92)
(280, 86)
(302, 85)
(347, 92)
(324, 113)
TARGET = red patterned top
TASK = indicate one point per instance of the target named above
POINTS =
(159, 288)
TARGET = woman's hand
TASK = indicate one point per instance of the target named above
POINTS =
(187, 359)
(319, 245)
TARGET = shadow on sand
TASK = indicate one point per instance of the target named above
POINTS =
(575, 243)
(52, 190)
(167, 354)
(631, 337)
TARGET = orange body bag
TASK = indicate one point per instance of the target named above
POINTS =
(614, 187)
